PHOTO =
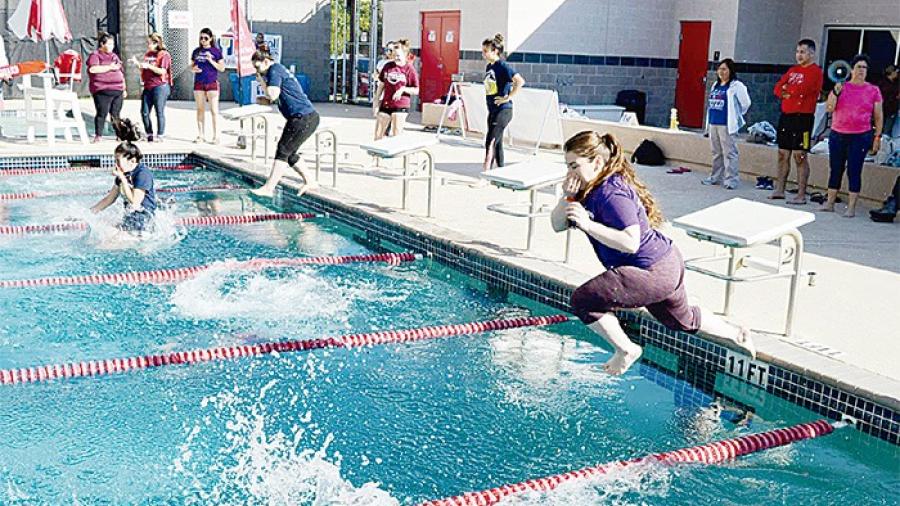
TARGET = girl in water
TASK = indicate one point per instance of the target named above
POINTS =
(605, 199)
(134, 182)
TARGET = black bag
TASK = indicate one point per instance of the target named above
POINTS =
(648, 153)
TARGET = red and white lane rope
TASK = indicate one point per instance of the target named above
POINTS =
(163, 276)
(95, 368)
(32, 171)
(73, 193)
(711, 453)
(190, 221)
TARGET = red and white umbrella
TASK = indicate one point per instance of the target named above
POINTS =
(244, 45)
(40, 21)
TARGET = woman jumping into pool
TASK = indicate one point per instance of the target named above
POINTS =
(605, 200)
(134, 181)
(501, 82)
(281, 86)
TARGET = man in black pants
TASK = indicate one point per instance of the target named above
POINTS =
(302, 120)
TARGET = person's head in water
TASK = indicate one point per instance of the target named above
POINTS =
(492, 49)
(725, 71)
(106, 42)
(806, 51)
(262, 60)
(401, 52)
(206, 38)
(592, 158)
(127, 154)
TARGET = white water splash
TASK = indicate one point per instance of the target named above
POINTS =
(261, 466)
(630, 485)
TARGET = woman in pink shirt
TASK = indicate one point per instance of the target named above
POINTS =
(854, 104)
(106, 82)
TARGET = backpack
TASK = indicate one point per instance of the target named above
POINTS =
(648, 153)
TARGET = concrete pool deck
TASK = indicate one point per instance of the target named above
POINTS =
(852, 309)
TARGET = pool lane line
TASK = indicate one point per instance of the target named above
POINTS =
(190, 221)
(163, 276)
(712, 453)
(97, 368)
(75, 193)
(33, 171)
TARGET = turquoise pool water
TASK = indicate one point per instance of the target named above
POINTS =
(386, 425)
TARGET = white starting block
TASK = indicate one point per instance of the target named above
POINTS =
(531, 176)
(405, 146)
(326, 145)
(253, 112)
(740, 223)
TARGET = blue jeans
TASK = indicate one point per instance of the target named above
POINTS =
(847, 150)
(155, 98)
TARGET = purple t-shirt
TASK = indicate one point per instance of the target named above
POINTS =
(202, 56)
(616, 204)
(114, 80)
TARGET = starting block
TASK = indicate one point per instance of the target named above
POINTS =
(404, 146)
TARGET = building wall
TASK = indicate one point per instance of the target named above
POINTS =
(768, 30)
(818, 13)
(479, 19)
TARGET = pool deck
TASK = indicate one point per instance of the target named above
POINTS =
(852, 309)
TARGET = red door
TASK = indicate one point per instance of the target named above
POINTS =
(690, 89)
(439, 54)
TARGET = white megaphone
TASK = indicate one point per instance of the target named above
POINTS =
(839, 71)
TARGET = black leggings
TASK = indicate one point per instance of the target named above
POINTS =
(497, 122)
(107, 103)
(296, 131)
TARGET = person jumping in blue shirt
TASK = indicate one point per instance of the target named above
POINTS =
(281, 87)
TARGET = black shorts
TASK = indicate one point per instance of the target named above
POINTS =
(795, 131)
(137, 221)
(296, 131)
(394, 110)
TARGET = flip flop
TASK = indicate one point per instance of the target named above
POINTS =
(678, 170)
(775, 197)
(796, 203)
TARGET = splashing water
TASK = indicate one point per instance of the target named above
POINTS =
(259, 465)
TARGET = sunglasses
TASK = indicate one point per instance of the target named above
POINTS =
(204, 37)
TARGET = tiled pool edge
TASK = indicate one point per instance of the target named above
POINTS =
(700, 358)
(700, 361)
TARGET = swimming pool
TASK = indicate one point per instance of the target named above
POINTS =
(379, 425)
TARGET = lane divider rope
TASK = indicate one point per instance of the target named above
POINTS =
(71, 193)
(32, 171)
(711, 453)
(191, 221)
(183, 273)
(96, 368)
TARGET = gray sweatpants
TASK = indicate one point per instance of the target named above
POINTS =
(724, 156)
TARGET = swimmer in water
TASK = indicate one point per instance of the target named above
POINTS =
(133, 181)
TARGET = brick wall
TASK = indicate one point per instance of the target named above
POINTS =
(594, 84)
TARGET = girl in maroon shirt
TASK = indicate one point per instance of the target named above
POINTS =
(397, 81)
(156, 75)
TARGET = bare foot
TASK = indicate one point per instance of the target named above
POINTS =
(262, 191)
(826, 208)
(797, 201)
(622, 360)
(745, 341)
(849, 213)
(311, 185)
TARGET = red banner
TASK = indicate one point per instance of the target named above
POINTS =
(244, 45)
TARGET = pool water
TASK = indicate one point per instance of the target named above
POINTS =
(395, 424)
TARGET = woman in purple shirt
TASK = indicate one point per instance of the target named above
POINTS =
(605, 199)
(206, 63)
(106, 82)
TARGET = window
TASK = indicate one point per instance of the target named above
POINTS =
(881, 44)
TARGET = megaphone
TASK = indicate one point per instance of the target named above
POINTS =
(839, 71)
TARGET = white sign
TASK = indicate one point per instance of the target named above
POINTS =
(742, 366)
(449, 37)
(181, 20)
(226, 44)
(432, 36)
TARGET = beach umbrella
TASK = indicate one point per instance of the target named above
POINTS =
(40, 21)
(244, 45)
